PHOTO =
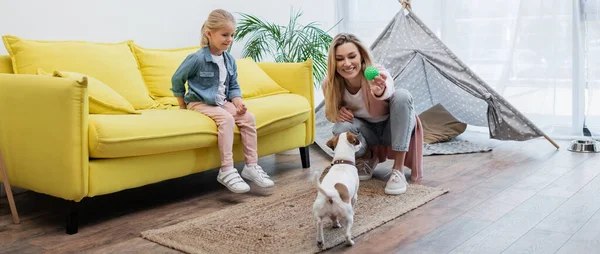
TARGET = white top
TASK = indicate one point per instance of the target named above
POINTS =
(356, 101)
(221, 99)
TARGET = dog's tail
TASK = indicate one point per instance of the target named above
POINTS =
(330, 196)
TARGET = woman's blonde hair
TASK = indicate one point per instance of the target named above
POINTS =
(216, 19)
(335, 83)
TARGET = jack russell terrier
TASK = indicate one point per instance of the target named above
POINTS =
(338, 191)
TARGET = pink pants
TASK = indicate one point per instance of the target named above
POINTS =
(226, 118)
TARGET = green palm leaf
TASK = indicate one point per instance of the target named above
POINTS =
(291, 43)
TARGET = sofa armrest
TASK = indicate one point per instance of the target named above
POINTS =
(298, 79)
(44, 134)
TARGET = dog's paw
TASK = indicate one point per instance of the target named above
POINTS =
(336, 224)
(320, 245)
(350, 242)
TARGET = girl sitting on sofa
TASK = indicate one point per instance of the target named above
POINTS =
(211, 74)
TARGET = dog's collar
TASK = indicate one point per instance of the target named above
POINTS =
(342, 162)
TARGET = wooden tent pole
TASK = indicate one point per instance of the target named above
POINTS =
(551, 141)
(405, 4)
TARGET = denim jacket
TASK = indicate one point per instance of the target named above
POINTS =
(202, 75)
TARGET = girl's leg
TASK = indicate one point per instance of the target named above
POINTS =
(228, 175)
(398, 132)
(247, 125)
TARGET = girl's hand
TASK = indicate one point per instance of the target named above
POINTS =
(345, 115)
(181, 102)
(239, 105)
(378, 84)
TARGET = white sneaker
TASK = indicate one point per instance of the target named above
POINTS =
(257, 175)
(232, 180)
(396, 184)
(366, 167)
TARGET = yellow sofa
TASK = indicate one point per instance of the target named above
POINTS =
(119, 127)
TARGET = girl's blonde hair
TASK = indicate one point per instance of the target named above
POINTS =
(216, 19)
(335, 83)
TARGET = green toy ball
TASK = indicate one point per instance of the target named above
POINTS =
(371, 72)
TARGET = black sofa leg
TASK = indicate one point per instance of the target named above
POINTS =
(304, 154)
(72, 224)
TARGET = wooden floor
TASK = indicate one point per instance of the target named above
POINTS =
(521, 197)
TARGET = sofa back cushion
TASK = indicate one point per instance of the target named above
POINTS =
(112, 63)
(5, 64)
(158, 65)
(254, 81)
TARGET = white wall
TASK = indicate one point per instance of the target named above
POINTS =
(150, 23)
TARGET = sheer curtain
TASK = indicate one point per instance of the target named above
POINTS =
(541, 55)
(591, 15)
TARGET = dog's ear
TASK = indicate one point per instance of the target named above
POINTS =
(352, 138)
(333, 142)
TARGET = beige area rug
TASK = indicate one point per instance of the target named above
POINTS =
(283, 221)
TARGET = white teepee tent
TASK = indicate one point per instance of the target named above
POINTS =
(420, 62)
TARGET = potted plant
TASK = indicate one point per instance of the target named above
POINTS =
(293, 42)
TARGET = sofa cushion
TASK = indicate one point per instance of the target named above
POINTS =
(159, 131)
(111, 63)
(158, 65)
(102, 98)
(168, 100)
(5, 64)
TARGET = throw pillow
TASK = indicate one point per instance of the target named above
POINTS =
(254, 82)
(439, 125)
(102, 98)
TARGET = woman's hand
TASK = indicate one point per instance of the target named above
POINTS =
(378, 84)
(345, 115)
(239, 105)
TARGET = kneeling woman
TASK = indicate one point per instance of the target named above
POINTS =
(383, 117)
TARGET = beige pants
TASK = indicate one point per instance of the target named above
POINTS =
(226, 118)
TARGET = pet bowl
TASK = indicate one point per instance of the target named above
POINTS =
(584, 146)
